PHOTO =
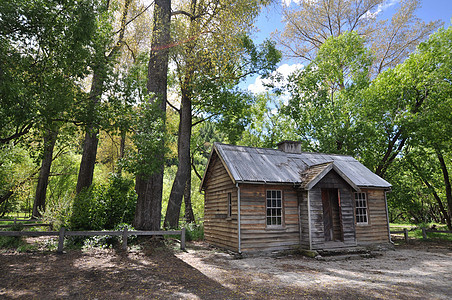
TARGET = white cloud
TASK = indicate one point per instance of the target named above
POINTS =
(380, 8)
(288, 2)
(283, 71)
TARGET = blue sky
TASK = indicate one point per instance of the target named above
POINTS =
(270, 20)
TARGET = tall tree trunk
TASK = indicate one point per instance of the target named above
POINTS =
(189, 216)
(184, 167)
(447, 184)
(86, 171)
(43, 179)
(122, 149)
(149, 188)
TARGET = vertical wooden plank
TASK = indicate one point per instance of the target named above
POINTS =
(327, 217)
(61, 240)
(124, 238)
(405, 232)
(182, 239)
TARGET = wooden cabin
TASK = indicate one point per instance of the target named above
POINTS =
(263, 200)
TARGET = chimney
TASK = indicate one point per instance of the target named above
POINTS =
(290, 146)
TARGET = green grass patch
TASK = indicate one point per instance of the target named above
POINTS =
(16, 243)
(415, 231)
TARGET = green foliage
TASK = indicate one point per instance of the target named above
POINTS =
(12, 242)
(269, 125)
(16, 166)
(104, 241)
(194, 232)
(58, 212)
(148, 137)
(45, 48)
(104, 206)
(215, 96)
(326, 97)
(415, 231)
(408, 200)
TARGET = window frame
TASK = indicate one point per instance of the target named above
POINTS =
(276, 220)
(360, 210)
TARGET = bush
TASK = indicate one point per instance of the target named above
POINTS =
(104, 206)
(194, 232)
(88, 210)
(108, 241)
(58, 213)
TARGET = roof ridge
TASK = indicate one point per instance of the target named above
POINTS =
(281, 151)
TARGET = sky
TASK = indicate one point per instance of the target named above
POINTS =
(270, 20)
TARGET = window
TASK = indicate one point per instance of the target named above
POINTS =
(361, 208)
(274, 208)
(229, 205)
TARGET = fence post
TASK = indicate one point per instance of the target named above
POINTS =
(61, 240)
(15, 220)
(182, 239)
(124, 239)
(405, 232)
(424, 234)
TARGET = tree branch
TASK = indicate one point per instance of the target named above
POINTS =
(172, 106)
(19, 132)
(134, 18)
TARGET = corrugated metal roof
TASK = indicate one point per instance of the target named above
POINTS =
(263, 165)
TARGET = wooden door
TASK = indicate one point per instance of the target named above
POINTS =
(332, 217)
(327, 215)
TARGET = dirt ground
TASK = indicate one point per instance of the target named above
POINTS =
(421, 270)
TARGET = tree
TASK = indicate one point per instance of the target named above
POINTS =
(44, 51)
(325, 98)
(105, 53)
(149, 183)
(43, 179)
(208, 65)
(410, 105)
(310, 23)
(269, 125)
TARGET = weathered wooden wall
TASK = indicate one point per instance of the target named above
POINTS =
(304, 219)
(376, 231)
(256, 236)
(332, 181)
(219, 230)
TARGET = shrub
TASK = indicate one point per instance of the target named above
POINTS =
(120, 200)
(104, 206)
(58, 213)
(194, 232)
(88, 210)
(108, 241)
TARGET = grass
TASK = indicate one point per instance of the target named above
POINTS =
(415, 231)
(16, 243)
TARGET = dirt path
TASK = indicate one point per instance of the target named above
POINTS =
(414, 272)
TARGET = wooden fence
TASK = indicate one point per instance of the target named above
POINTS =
(424, 232)
(125, 234)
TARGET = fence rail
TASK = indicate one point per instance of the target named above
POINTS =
(125, 234)
(424, 232)
(18, 219)
(28, 225)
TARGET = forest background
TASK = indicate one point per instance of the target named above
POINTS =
(109, 109)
